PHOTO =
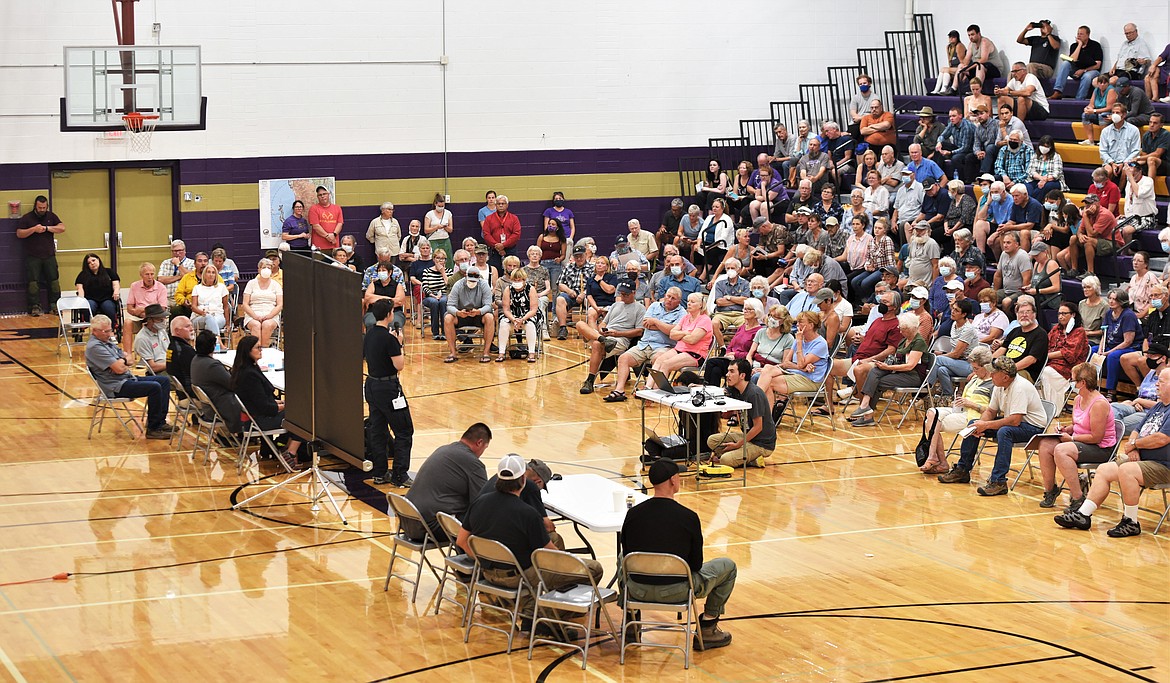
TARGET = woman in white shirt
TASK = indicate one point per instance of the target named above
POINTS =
(438, 224)
(263, 301)
(209, 301)
(875, 198)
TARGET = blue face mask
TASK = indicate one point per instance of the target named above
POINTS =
(676, 270)
(1050, 206)
(1166, 246)
(950, 297)
(1156, 303)
(758, 293)
(944, 271)
(915, 304)
(984, 307)
(863, 88)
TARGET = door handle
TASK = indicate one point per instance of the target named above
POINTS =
(119, 239)
(105, 240)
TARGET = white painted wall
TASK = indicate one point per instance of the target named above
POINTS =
(523, 74)
(1003, 21)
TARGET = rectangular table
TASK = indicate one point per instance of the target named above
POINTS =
(271, 362)
(682, 403)
(587, 500)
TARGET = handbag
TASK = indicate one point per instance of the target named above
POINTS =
(922, 451)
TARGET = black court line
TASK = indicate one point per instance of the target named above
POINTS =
(972, 668)
(36, 374)
(434, 667)
(500, 384)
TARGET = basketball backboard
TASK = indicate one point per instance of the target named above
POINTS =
(103, 83)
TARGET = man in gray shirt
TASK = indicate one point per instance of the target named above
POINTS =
(1015, 268)
(620, 328)
(729, 294)
(449, 480)
(469, 304)
(110, 367)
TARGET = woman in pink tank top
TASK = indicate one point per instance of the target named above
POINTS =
(1091, 438)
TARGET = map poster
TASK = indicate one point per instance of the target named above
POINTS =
(276, 202)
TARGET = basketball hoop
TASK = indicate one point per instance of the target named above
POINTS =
(139, 128)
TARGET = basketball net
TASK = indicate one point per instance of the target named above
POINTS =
(139, 128)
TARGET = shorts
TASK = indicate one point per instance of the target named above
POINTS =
(475, 321)
(952, 420)
(1154, 473)
(728, 319)
(643, 354)
(1105, 247)
(800, 383)
(623, 343)
(1036, 113)
(1088, 453)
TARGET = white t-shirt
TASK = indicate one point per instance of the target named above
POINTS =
(1038, 97)
(210, 298)
(262, 300)
(1019, 398)
(443, 223)
(844, 309)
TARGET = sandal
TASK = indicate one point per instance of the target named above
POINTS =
(615, 397)
(487, 359)
(822, 411)
(532, 358)
(450, 359)
(499, 359)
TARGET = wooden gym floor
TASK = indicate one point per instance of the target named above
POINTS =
(852, 565)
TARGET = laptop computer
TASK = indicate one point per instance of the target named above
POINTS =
(663, 384)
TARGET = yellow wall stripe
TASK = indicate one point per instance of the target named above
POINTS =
(25, 197)
(246, 196)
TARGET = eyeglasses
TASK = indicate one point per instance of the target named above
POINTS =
(1064, 313)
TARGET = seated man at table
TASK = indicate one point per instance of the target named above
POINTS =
(1144, 461)
(449, 480)
(212, 376)
(469, 304)
(500, 515)
(108, 364)
(151, 342)
(536, 478)
(621, 327)
(757, 439)
(662, 525)
(660, 319)
(180, 353)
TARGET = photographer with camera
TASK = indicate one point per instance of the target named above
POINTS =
(1045, 48)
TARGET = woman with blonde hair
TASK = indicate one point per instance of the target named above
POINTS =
(1089, 439)
(804, 366)
(966, 409)
(692, 338)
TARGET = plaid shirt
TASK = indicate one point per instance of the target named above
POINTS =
(881, 253)
(837, 242)
(985, 135)
(575, 277)
(1048, 167)
(168, 269)
(1014, 164)
(961, 136)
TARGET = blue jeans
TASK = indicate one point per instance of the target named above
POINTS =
(1113, 371)
(437, 307)
(1063, 73)
(862, 284)
(109, 308)
(157, 390)
(947, 371)
(554, 272)
(1005, 438)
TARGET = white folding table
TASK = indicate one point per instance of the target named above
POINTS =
(684, 404)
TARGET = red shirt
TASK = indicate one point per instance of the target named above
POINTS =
(1110, 195)
(504, 230)
(881, 333)
(1105, 224)
(329, 218)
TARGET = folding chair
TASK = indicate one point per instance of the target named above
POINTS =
(253, 431)
(455, 563)
(74, 316)
(404, 509)
(1165, 507)
(1090, 468)
(217, 426)
(487, 550)
(103, 403)
(184, 407)
(659, 566)
(518, 340)
(923, 389)
(1049, 415)
(584, 597)
(810, 397)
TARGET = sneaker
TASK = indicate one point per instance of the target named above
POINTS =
(757, 462)
(1050, 497)
(1072, 519)
(1087, 143)
(1074, 504)
(36, 312)
(158, 434)
(440, 337)
(562, 333)
(587, 387)
(863, 421)
(288, 460)
(383, 479)
(610, 343)
(402, 482)
(1165, 100)
(957, 475)
(861, 412)
(844, 393)
(993, 488)
(167, 426)
(1125, 528)
(713, 636)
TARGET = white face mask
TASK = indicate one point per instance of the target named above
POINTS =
(676, 270)
(1115, 118)
(972, 274)
(995, 196)
(773, 323)
(1069, 327)
(464, 266)
(951, 296)
(732, 274)
(1045, 149)
(348, 248)
(517, 286)
(472, 283)
(944, 271)
(384, 276)
(265, 273)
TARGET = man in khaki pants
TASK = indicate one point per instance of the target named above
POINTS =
(756, 440)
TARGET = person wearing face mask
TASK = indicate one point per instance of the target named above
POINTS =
(349, 245)
(1046, 171)
(948, 272)
(562, 215)
(907, 204)
(1067, 345)
(621, 328)
(623, 253)
(1105, 189)
(470, 305)
(973, 280)
(262, 304)
(990, 322)
(1011, 166)
(917, 303)
(729, 294)
(1132, 412)
(994, 208)
(1164, 242)
(1096, 235)
(953, 293)
(1055, 219)
(1121, 142)
(1123, 333)
(519, 309)
(1156, 324)
(860, 104)
(151, 342)
(880, 340)
(180, 353)
(384, 287)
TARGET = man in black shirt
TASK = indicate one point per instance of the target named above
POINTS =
(668, 230)
(1026, 345)
(662, 525)
(180, 353)
(1082, 64)
(388, 410)
(757, 439)
(1045, 48)
(535, 477)
(37, 229)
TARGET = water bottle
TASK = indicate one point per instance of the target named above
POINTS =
(218, 348)
(629, 500)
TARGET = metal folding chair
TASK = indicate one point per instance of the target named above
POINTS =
(456, 564)
(74, 315)
(659, 566)
(583, 597)
(1049, 414)
(923, 390)
(1165, 507)
(487, 550)
(217, 426)
(253, 431)
(810, 397)
(120, 407)
(404, 509)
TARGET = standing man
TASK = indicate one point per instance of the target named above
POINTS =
(391, 429)
(111, 368)
(173, 269)
(756, 440)
(37, 228)
(1082, 64)
(1045, 49)
(449, 480)
(501, 232)
(662, 525)
(860, 104)
(326, 219)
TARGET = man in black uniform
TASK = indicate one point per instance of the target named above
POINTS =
(662, 525)
(38, 229)
(388, 410)
(536, 478)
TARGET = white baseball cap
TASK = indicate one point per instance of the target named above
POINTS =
(511, 467)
